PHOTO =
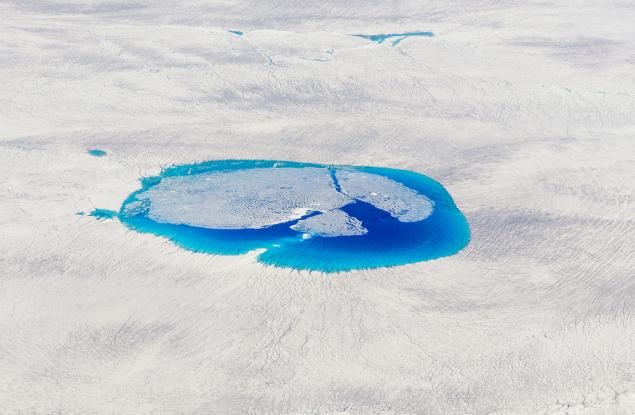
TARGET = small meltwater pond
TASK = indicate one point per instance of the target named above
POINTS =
(95, 152)
(302, 216)
(396, 37)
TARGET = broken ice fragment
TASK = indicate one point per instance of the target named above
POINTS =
(330, 224)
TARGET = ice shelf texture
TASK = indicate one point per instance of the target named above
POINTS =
(252, 198)
(261, 197)
(331, 224)
(306, 216)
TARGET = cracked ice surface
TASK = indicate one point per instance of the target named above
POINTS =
(254, 198)
(401, 202)
(262, 197)
(332, 223)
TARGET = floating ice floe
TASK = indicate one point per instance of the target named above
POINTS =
(262, 197)
(330, 224)
(400, 201)
(243, 199)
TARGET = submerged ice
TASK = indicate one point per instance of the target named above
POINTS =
(305, 216)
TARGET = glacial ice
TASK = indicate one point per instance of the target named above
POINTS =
(243, 199)
(329, 224)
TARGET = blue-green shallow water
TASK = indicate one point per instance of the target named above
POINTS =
(97, 152)
(388, 242)
(101, 214)
(398, 37)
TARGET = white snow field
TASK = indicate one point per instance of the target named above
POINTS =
(523, 110)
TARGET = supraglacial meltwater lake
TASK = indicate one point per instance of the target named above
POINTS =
(305, 216)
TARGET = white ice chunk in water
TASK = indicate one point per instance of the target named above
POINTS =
(242, 199)
(262, 197)
(332, 223)
(400, 201)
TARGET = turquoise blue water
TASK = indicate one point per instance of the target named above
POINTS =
(388, 242)
(97, 152)
(103, 214)
(236, 32)
(381, 38)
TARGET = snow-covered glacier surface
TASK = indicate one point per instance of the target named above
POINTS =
(242, 198)
(304, 216)
(522, 110)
